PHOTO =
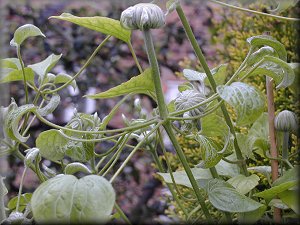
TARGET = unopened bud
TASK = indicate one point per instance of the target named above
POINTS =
(286, 121)
(142, 16)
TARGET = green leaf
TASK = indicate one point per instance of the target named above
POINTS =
(43, 67)
(101, 24)
(3, 189)
(12, 121)
(294, 87)
(80, 151)
(245, 144)
(265, 170)
(252, 216)
(51, 106)
(32, 154)
(224, 197)
(290, 175)
(63, 78)
(272, 192)
(213, 125)
(12, 63)
(278, 204)
(24, 32)
(265, 40)
(76, 167)
(244, 184)
(24, 200)
(258, 134)
(247, 101)
(66, 199)
(181, 177)
(201, 175)
(259, 55)
(209, 153)
(17, 75)
(51, 144)
(141, 84)
(291, 199)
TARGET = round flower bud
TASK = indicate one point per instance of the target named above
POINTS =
(190, 98)
(286, 121)
(142, 16)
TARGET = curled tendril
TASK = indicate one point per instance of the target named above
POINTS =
(142, 16)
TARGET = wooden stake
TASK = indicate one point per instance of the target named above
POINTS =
(273, 150)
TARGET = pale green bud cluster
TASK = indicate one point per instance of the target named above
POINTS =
(142, 16)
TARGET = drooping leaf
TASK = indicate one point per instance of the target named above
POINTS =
(224, 197)
(265, 40)
(283, 5)
(291, 199)
(51, 144)
(17, 75)
(142, 84)
(51, 106)
(24, 200)
(101, 24)
(32, 154)
(247, 101)
(63, 78)
(171, 5)
(66, 199)
(12, 121)
(75, 167)
(252, 216)
(272, 192)
(43, 67)
(259, 55)
(12, 63)
(24, 32)
(244, 184)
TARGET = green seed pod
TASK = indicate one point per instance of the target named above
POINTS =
(142, 16)
(286, 121)
(190, 98)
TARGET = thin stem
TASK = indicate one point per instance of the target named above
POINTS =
(274, 154)
(161, 169)
(133, 152)
(21, 187)
(111, 149)
(212, 82)
(134, 57)
(256, 12)
(24, 75)
(155, 74)
(122, 214)
(82, 68)
(285, 145)
(167, 124)
(134, 127)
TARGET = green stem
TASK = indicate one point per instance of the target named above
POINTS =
(134, 57)
(256, 12)
(212, 82)
(20, 189)
(161, 169)
(155, 75)
(167, 124)
(24, 76)
(285, 150)
(133, 152)
(122, 214)
(82, 68)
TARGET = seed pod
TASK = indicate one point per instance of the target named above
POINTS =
(286, 121)
(142, 16)
(190, 98)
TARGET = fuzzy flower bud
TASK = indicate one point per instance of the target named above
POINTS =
(286, 121)
(190, 98)
(142, 16)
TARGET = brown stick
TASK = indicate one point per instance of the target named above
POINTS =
(273, 150)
